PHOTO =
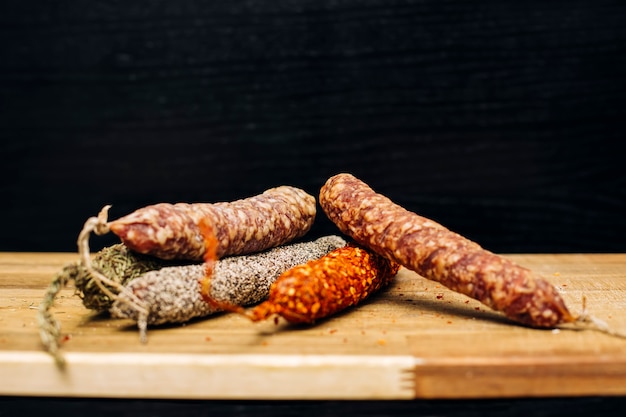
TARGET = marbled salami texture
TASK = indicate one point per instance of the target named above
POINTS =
(437, 253)
(171, 231)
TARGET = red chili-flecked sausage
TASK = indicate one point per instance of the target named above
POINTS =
(325, 286)
(437, 253)
(172, 231)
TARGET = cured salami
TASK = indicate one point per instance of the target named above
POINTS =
(173, 294)
(437, 253)
(171, 231)
(323, 287)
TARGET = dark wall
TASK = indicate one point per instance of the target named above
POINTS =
(503, 120)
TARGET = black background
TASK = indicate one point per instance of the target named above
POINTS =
(503, 120)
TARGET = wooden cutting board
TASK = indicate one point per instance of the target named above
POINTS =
(414, 340)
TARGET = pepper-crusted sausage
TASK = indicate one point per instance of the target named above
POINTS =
(342, 278)
(173, 294)
(435, 252)
(171, 231)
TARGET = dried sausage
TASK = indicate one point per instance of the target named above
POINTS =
(171, 231)
(320, 288)
(173, 294)
(437, 253)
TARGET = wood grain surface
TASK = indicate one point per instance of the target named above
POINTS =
(416, 340)
(503, 121)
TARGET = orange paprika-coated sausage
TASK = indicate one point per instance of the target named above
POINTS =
(320, 288)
